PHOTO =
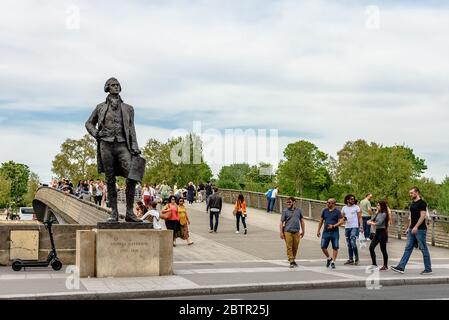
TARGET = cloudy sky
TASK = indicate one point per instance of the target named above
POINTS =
(324, 71)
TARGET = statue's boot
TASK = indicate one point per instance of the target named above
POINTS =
(114, 213)
(130, 215)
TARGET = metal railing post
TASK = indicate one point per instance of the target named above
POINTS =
(258, 200)
(248, 197)
(399, 226)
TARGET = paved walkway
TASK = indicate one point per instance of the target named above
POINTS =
(226, 262)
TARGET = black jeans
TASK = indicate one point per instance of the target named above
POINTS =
(382, 238)
(239, 216)
(212, 215)
(98, 200)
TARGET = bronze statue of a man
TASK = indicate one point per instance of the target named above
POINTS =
(112, 125)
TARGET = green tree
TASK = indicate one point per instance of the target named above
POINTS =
(233, 176)
(5, 191)
(33, 185)
(443, 203)
(158, 165)
(305, 166)
(387, 172)
(179, 161)
(76, 160)
(17, 174)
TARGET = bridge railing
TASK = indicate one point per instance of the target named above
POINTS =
(438, 226)
(72, 209)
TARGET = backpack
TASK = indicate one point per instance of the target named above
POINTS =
(269, 192)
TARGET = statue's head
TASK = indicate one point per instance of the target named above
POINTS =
(112, 86)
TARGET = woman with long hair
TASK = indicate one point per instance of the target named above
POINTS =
(184, 221)
(172, 220)
(240, 212)
(380, 222)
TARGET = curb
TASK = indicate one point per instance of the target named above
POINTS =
(225, 289)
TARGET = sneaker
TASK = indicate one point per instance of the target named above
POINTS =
(356, 262)
(210, 231)
(349, 262)
(328, 262)
(237, 231)
(425, 272)
(384, 268)
(397, 269)
(295, 264)
(333, 265)
(246, 231)
(292, 265)
(373, 266)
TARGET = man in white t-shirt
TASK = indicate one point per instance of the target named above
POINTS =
(353, 225)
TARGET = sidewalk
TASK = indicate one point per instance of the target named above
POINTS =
(226, 262)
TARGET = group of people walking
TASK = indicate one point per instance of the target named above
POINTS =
(360, 223)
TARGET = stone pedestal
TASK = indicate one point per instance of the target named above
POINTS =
(125, 252)
(85, 252)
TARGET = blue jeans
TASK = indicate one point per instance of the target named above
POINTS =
(422, 245)
(271, 203)
(366, 226)
(351, 235)
(332, 237)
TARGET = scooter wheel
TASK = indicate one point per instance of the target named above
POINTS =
(17, 265)
(56, 265)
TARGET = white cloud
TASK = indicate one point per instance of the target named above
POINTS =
(312, 69)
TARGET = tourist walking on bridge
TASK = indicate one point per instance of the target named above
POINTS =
(292, 229)
(184, 221)
(352, 216)
(367, 213)
(416, 231)
(332, 219)
(172, 218)
(146, 195)
(190, 193)
(240, 212)
(379, 222)
(214, 206)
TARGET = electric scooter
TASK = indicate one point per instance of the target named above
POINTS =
(52, 258)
